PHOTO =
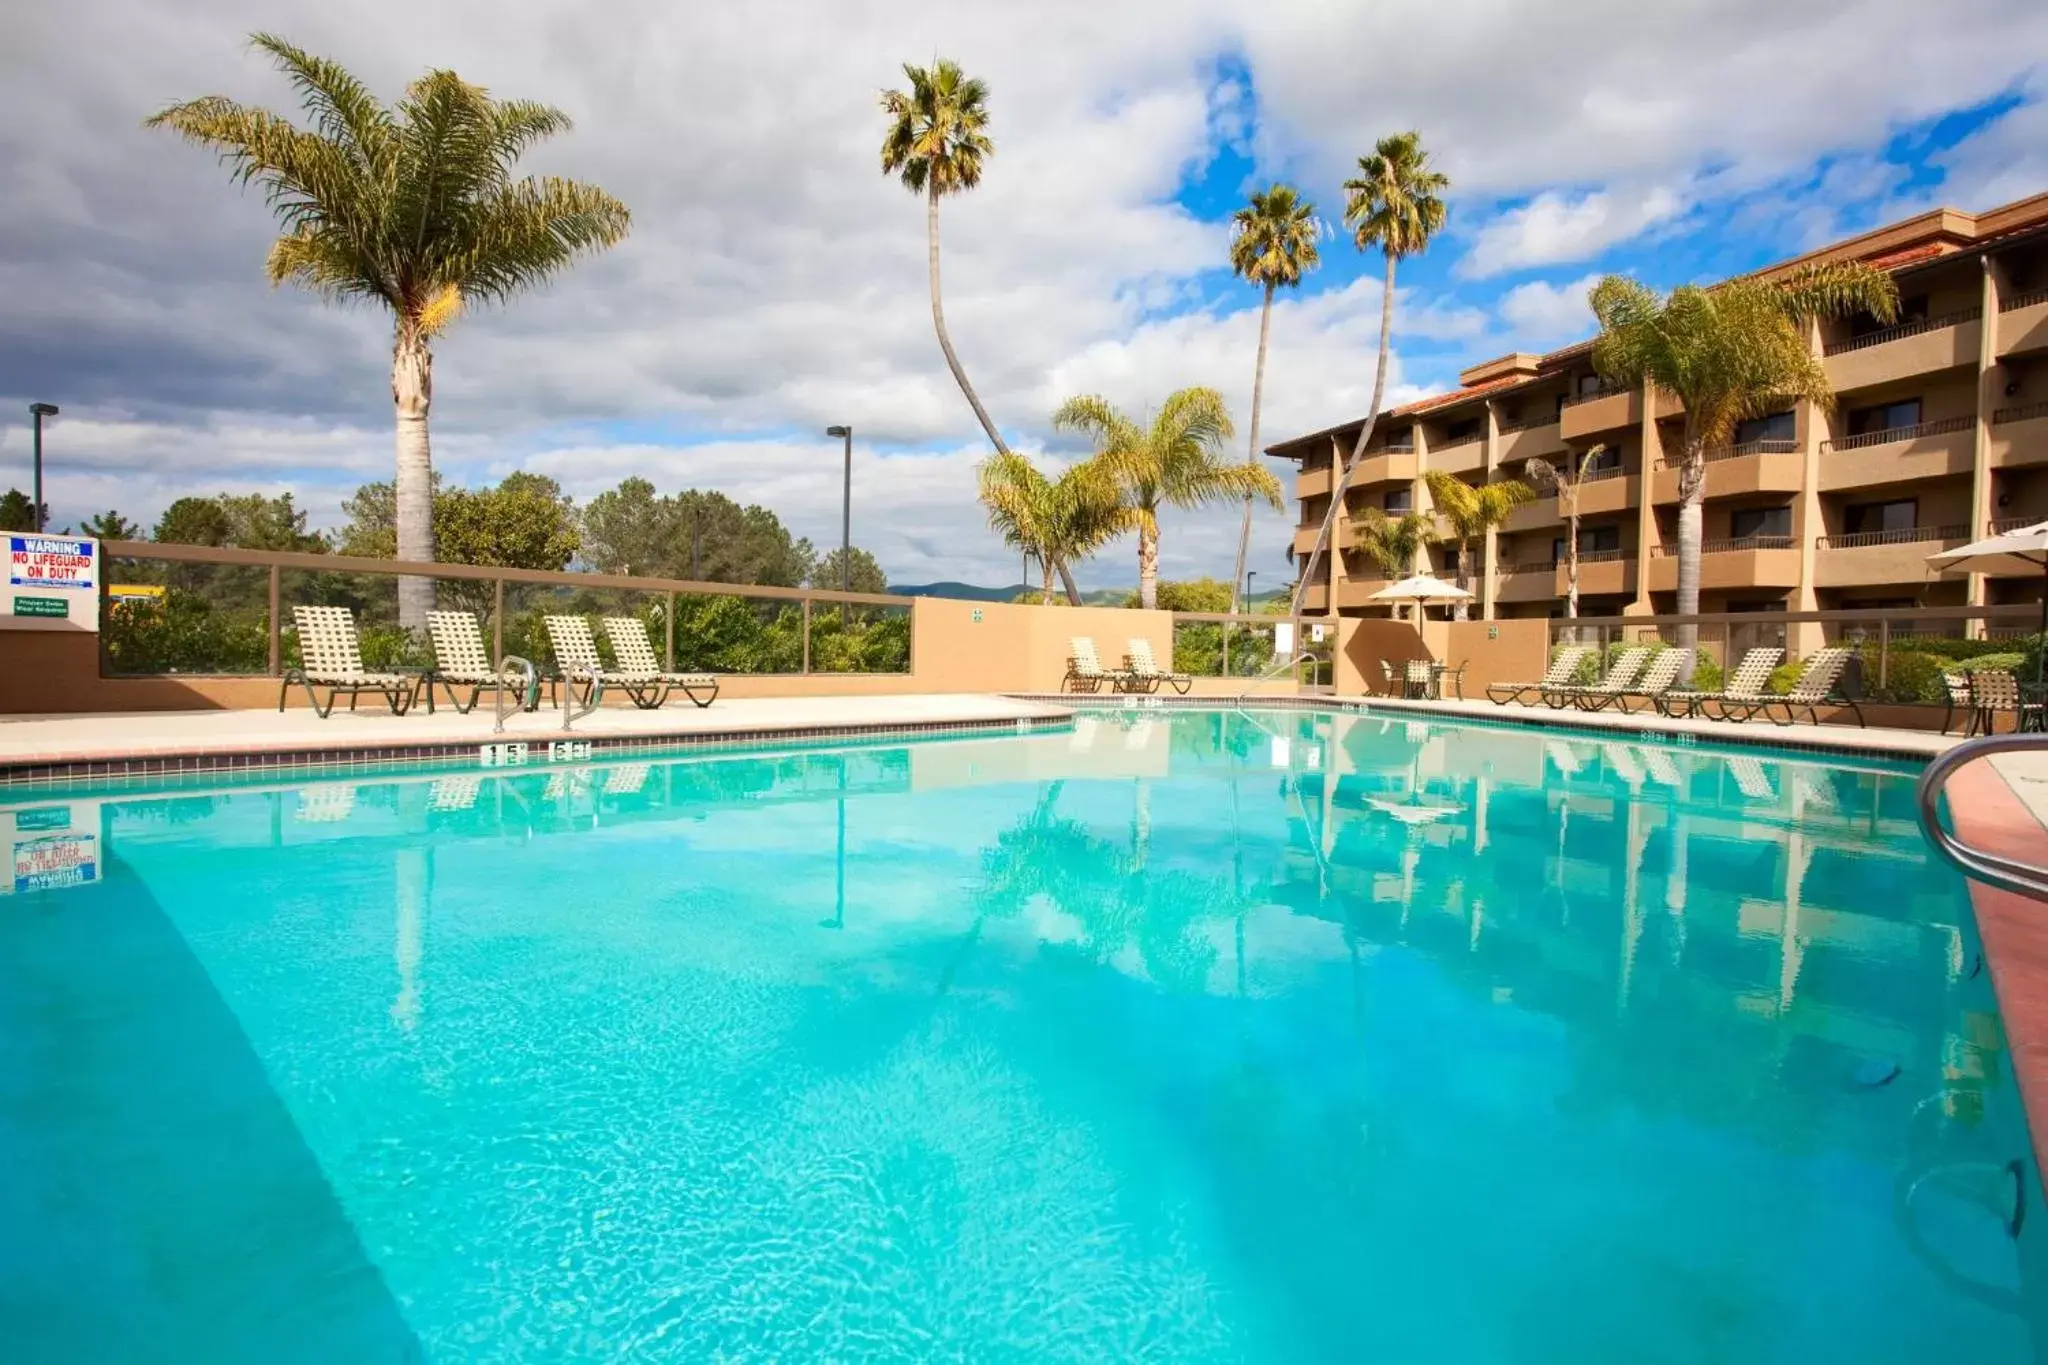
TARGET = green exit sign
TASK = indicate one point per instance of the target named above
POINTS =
(40, 606)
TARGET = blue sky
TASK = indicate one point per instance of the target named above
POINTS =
(774, 281)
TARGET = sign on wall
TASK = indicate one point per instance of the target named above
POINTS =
(49, 847)
(51, 580)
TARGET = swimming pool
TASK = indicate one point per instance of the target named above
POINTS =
(1185, 1036)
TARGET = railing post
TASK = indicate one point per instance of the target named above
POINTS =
(668, 617)
(1884, 650)
(497, 621)
(1228, 626)
(807, 635)
(276, 622)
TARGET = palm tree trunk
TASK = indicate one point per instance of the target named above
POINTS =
(1045, 585)
(412, 391)
(1244, 534)
(1343, 483)
(1067, 582)
(1692, 487)
(931, 233)
(1148, 568)
(1571, 557)
(1464, 565)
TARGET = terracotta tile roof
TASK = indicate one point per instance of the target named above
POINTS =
(1893, 260)
(1440, 400)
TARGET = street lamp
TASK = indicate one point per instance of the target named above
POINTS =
(39, 411)
(1249, 575)
(845, 513)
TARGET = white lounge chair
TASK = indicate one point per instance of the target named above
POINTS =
(1620, 677)
(460, 660)
(638, 668)
(1744, 685)
(1085, 672)
(1562, 670)
(1659, 676)
(1146, 672)
(329, 657)
(1808, 693)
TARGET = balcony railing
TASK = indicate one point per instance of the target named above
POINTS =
(1903, 330)
(1601, 473)
(1903, 535)
(1529, 423)
(1598, 556)
(2026, 299)
(2025, 412)
(1391, 449)
(1894, 435)
(1530, 566)
(1453, 442)
(2004, 524)
(1727, 546)
(1774, 445)
(1604, 391)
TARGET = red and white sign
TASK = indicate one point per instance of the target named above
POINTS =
(60, 860)
(50, 562)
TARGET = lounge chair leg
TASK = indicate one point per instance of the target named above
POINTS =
(691, 693)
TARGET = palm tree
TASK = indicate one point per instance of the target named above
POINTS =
(1392, 543)
(1058, 520)
(1473, 511)
(1543, 475)
(1396, 204)
(937, 140)
(413, 206)
(1176, 461)
(1274, 244)
(1735, 351)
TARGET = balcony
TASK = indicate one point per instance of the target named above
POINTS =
(1925, 346)
(2023, 323)
(1527, 439)
(1394, 464)
(1358, 591)
(1899, 454)
(1596, 414)
(1532, 581)
(1772, 466)
(1602, 573)
(1867, 558)
(1747, 562)
(2019, 436)
(1313, 483)
(1540, 515)
(1466, 455)
(2004, 524)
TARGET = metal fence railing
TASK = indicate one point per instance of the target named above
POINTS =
(202, 610)
(1248, 645)
(1894, 435)
(1903, 330)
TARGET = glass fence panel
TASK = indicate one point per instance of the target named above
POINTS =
(859, 638)
(185, 618)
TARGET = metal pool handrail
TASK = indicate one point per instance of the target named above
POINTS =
(2007, 874)
(528, 695)
(1306, 656)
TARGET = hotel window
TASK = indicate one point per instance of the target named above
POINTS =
(1398, 502)
(1759, 521)
(1451, 560)
(1601, 460)
(1860, 518)
(1467, 430)
(1912, 308)
(1884, 417)
(1589, 384)
(1778, 426)
(1596, 538)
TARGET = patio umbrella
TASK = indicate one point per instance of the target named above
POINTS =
(1421, 588)
(2020, 552)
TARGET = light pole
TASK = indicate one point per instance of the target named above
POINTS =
(845, 514)
(1249, 575)
(39, 411)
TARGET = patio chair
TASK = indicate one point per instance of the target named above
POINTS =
(1390, 678)
(1085, 672)
(638, 670)
(1146, 672)
(1744, 685)
(576, 658)
(1659, 676)
(460, 660)
(1816, 681)
(1994, 690)
(1620, 677)
(1562, 670)
(1454, 678)
(330, 658)
(1959, 703)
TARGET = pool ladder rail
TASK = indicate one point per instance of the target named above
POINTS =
(1306, 656)
(2007, 874)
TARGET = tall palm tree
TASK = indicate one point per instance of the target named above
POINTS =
(1396, 204)
(1392, 542)
(1731, 352)
(1473, 511)
(1273, 245)
(937, 141)
(1058, 520)
(413, 206)
(1176, 461)
(1544, 476)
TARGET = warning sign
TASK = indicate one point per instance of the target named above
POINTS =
(50, 562)
(60, 860)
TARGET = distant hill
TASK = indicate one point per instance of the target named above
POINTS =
(963, 592)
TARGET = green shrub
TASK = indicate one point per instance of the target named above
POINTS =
(1782, 677)
(2012, 662)
(182, 632)
(1706, 673)
(1910, 676)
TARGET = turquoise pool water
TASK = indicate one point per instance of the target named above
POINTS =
(1183, 1037)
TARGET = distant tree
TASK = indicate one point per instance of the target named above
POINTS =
(1194, 594)
(259, 523)
(1273, 244)
(1176, 461)
(632, 529)
(111, 525)
(414, 206)
(526, 522)
(18, 513)
(1396, 204)
(193, 521)
(867, 574)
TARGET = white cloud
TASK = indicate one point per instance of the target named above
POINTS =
(2006, 159)
(1553, 229)
(1541, 316)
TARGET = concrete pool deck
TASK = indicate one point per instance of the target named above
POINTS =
(131, 744)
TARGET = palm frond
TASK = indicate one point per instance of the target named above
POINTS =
(1273, 238)
(1395, 202)
(341, 107)
(1837, 289)
(1392, 543)
(937, 137)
